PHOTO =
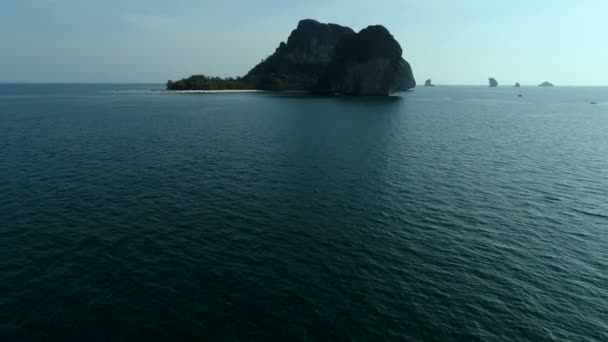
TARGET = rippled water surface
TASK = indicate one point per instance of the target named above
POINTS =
(446, 213)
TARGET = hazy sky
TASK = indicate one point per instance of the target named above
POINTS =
(451, 41)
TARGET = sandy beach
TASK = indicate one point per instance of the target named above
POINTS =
(226, 91)
(212, 91)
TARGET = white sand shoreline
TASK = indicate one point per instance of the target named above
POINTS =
(226, 91)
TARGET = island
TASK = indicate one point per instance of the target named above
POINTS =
(429, 83)
(546, 84)
(517, 85)
(324, 59)
(493, 82)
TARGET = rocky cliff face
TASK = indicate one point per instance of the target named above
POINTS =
(408, 82)
(366, 63)
(298, 64)
(333, 59)
(314, 43)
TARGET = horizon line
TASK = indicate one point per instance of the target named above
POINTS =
(421, 85)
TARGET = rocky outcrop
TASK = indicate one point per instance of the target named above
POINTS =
(313, 43)
(366, 63)
(517, 85)
(323, 58)
(429, 83)
(298, 64)
(408, 82)
(493, 82)
(546, 84)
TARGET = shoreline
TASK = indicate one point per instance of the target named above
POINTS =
(224, 91)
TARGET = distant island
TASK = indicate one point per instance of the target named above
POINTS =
(546, 84)
(429, 83)
(324, 59)
(517, 85)
(493, 82)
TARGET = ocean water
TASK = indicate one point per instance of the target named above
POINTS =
(441, 214)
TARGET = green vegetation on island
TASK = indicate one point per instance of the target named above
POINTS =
(202, 82)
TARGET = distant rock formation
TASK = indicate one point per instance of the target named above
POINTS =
(546, 84)
(493, 82)
(366, 63)
(429, 83)
(517, 85)
(323, 58)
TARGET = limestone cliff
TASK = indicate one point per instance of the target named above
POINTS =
(298, 64)
(366, 63)
(408, 82)
(314, 43)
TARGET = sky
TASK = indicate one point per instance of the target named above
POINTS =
(152, 41)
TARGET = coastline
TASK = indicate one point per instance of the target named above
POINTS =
(225, 91)
(208, 91)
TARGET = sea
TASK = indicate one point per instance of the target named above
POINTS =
(451, 213)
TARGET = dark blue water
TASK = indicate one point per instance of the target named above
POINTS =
(446, 214)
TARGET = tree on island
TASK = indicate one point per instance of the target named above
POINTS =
(202, 82)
